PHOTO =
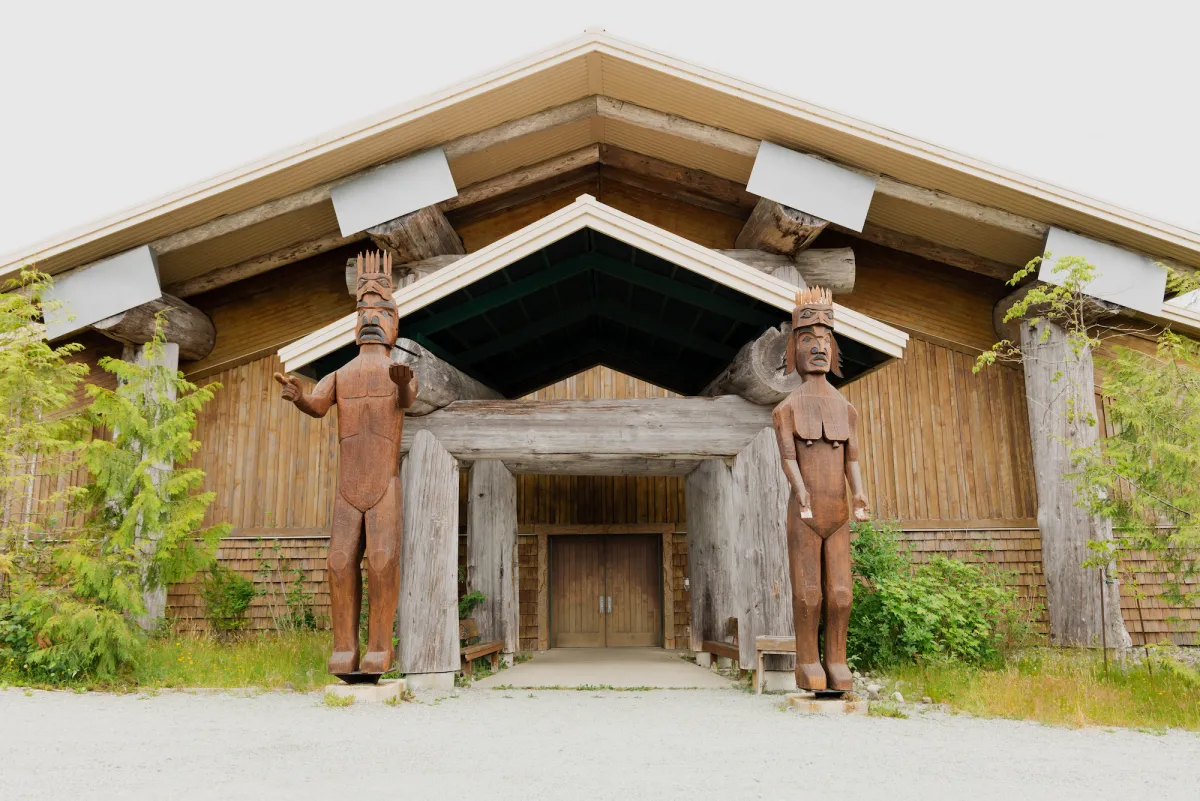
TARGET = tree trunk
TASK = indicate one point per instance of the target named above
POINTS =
(427, 614)
(492, 551)
(1055, 383)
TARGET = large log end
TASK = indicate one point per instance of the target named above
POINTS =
(776, 228)
(420, 235)
(186, 326)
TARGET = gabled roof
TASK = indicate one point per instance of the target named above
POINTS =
(599, 64)
(763, 300)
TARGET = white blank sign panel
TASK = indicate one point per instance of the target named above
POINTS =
(1132, 280)
(105, 288)
(392, 191)
(811, 185)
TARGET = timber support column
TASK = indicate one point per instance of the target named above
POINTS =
(764, 587)
(492, 552)
(427, 613)
(1072, 591)
(712, 506)
(737, 554)
(154, 598)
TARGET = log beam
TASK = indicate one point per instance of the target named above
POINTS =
(492, 551)
(955, 257)
(420, 235)
(757, 372)
(1060, 391)
(215, 279)
(831, 268)
(597, 437)
(439, 383)
(187, 327)
(776, 228)
(427, 612)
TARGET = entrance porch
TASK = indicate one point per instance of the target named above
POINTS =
(609, 668)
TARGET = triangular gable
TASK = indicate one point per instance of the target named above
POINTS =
(587, 212)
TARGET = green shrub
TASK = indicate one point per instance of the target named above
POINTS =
(50, 637)
(943, 609)
(227, 596)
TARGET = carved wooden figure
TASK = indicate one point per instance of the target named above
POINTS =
(817, 431)
(371, 393)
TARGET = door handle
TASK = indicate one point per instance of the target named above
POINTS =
(610, 604)
(602, 604)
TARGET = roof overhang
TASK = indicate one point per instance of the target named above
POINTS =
(587, 212)
(599, 64)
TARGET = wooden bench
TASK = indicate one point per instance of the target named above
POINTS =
(767, 644)
(729, 650)
(468, 630)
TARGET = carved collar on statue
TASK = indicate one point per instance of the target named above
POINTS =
(820, 412)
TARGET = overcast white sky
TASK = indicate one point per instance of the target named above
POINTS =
(105, 105)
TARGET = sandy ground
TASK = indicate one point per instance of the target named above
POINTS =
(562, 744)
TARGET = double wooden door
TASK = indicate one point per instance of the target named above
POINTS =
(605, 591)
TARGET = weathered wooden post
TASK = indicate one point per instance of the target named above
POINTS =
(1057, 381)
(764, 589)
(427, 612)
(154, 598)
(492, 552)
(713, 509)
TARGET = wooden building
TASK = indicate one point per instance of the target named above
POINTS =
(600, 303)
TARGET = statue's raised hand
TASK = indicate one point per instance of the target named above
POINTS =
(291, 387)
(401, 374)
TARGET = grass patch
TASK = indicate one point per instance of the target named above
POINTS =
(292, 661)
(1065, 688)
(336, 701)
(271, 661)
(885, 709)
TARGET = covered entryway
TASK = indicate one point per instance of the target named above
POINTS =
(591, 285)
(605, 591)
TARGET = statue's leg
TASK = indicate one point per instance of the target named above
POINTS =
(345, 584)
(804, 560)
(839, 590)
(383, 578)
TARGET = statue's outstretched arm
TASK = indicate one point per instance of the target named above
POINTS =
(405, 379)
(314, 404)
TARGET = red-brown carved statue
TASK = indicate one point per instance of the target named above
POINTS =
(371, 393)
(817, 431)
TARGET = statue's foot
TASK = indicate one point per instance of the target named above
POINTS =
(810, 676)
(376, 662)
(840, 677)
(343, 662)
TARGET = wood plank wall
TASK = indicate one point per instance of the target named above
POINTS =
(946, 454)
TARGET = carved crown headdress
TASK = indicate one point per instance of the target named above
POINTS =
(814, 306)
(374, 274)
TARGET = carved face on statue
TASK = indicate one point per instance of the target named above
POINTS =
(812, 347)
(378, 321)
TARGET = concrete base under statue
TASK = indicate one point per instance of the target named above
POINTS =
(385, 690)
(430, 681)
(810, 704)
(779, 681)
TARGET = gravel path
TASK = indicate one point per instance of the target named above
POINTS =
(556, 745)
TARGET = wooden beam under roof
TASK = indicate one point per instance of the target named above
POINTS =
(585, 108)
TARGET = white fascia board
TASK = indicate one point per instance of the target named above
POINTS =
(812, 185)
(393, 190)
(101, 290)
(1123, 277)
(587, 212)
